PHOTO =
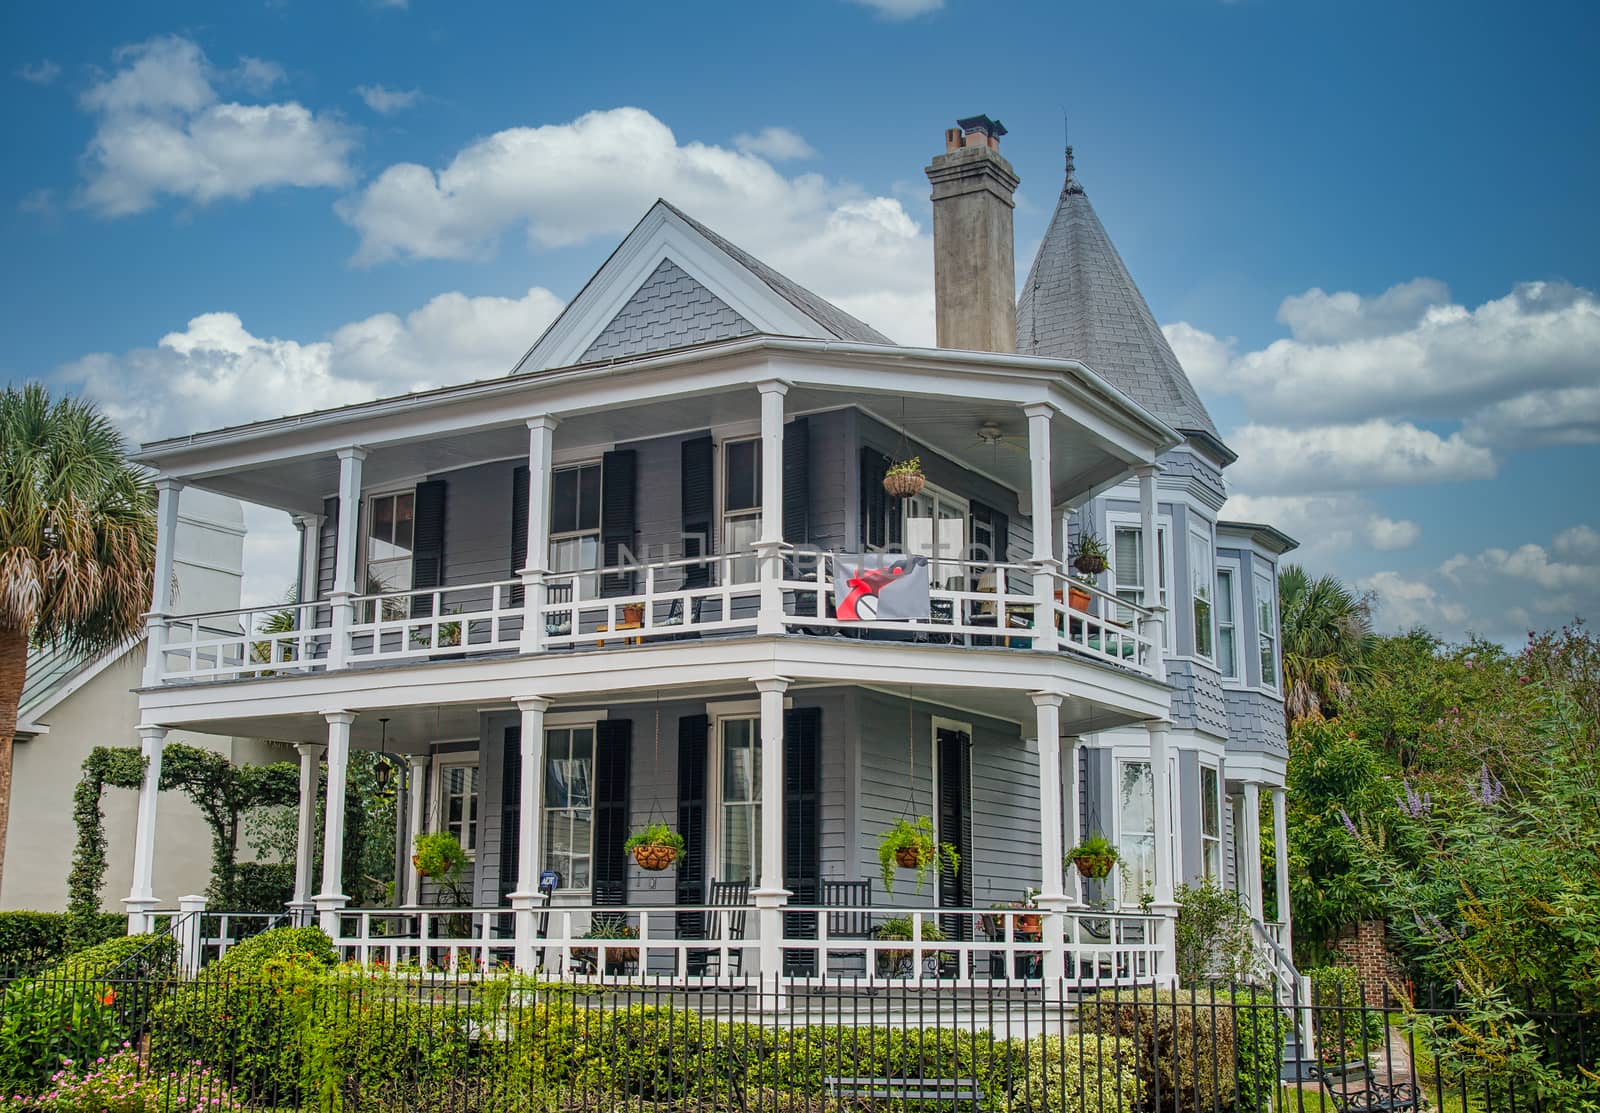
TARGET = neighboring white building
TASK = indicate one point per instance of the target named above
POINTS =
(72, 703)
(606, 597)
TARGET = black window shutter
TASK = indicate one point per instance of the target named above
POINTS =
(698, 484)
(427, 554)
(802, 844)
(519, 528)
(613, 746)
(510, 812)
(618, 516)
(693, 736)
(955, 827)
(797, 481)
(878, 527)
(327, 549)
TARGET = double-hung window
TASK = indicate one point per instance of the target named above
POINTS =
(575, 530)
(739, 820)
(1227, 623)
(1127, 555)
(1267, 628)
(936, 527)
(1211, 823)
(456, 803)
(391, 538)
(741, 507)
(1202, 585)
(1136, 831)
(569, 805)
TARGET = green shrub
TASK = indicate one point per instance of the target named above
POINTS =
(262, 886)
(1184, 1040)
(120, 1083)
(31, 940)
(1259, 1027)
(1212, 939)
(1065, 1075)
(309, 945)
(1346, 1029)
(81, 1008)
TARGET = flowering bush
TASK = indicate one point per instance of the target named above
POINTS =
(120, 1083)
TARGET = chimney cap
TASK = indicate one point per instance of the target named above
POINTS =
(994, 129)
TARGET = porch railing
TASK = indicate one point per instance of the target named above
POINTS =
(971, 603)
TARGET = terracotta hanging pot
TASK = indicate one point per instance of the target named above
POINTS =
(904, 484)
(1094, 866)
(655, 858)
(908, 857)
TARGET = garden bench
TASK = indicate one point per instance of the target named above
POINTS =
(953, 1091)
(1353, 1089)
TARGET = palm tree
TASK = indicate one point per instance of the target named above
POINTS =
(1327, 634)
(77, 543)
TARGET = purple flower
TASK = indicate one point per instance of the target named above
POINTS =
(1414, 804)
(1349, 824)
(1489, 791)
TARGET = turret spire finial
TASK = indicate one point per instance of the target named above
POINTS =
(1073, 185)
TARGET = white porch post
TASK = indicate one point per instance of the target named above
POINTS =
(155, 624)
(416, 800)
(526, 898)
(1280, 861)
(536, 561)
(1150, 536)
(310, 527)
(770, 896)
(770, 620)
(1252, 843)
(344, 578)
(1070, 804)
(305, 832)
(1042, 520)
(331, 900)
(141, 900)
(1163, 902)
(1052, 899)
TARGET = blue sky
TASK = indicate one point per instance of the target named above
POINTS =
(1368, 227)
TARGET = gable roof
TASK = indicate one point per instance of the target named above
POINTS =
(1080, 302)
(713, 290)
(55, 672)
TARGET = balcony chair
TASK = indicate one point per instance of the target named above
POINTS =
(729, 899)
(853, 920)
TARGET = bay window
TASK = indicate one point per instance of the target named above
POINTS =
(1227, 623)
(1136, 831)
(1211, 824)
(1267, 628)
(1202, 586)
(1128, 571)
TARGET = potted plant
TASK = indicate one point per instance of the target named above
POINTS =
(607, 926)
(895, 963)
(1026, 924)
(655, 848)
(904, 478)
(1077, 597)
(633, 614)
(1089, 554)
(911, 845)
(1094, 857)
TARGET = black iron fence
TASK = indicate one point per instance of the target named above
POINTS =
(291, 1036)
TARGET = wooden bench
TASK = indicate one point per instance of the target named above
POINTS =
(947, 1090)
(1353, 1089)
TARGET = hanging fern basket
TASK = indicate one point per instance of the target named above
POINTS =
(1095, 867)
(904, 479)
(655, 858)
(908, 857)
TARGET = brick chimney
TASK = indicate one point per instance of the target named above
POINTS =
(974, 270)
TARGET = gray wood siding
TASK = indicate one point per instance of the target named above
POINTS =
(833, 480)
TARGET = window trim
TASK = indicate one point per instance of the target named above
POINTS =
(1269, 577)
(441, 761)
(728, 713)
(1215, 770)
(369, 500)
(1121, 519)
(1239, 677)
(1208, 543)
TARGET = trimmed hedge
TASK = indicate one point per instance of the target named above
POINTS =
(1347, 1030)
(1185, 1044)
(32, 940)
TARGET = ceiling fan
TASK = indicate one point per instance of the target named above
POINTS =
(990, 433)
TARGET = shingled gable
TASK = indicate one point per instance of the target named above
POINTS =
(1080, 302)
(673, 282)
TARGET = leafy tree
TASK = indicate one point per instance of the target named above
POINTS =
(77, 543)
(1327, 633)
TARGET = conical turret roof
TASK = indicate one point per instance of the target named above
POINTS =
(1080, 302)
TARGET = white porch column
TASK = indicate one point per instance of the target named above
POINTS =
(770, 620)
(310, 527)
(331, 900)
(526, 898)
(1046, 562)
(141, 900)
(155, 624)
(305, 832)
(1252, 844)
(770, 896)
(1280, 861)
(1070, 805)
(344, 576)
(1150, 535)
(1052, 899)
(416, 800)
(1163, 902)
(536, 561)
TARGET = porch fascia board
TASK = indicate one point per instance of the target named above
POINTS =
(1257, 766)
(1119, 423)
(681, 668)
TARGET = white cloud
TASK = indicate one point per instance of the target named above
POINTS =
(902, 9)
(162, 129)
(1328, 527)
(258, 75)
(594, 177)
(1402, 604)
(385, 101)
(1374, 453)
(777, 144)
(42, 72)
(216, 372)
(1205, 358)
(1408, 351)
(1579, 544)
(1539, 418)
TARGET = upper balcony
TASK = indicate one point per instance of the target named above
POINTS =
(706, 492)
